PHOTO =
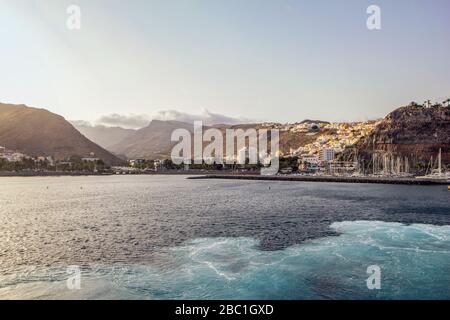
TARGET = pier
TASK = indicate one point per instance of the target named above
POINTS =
(376, 180)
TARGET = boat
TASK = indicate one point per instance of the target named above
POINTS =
(437, 174)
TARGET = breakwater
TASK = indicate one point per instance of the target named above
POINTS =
(378, 180)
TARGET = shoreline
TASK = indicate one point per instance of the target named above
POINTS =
(401, 181)
(50, 174)
(77, 174)
(199, 175)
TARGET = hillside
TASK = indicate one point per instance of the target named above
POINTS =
(104, 136)
(38, 132)
(153, 141)
(414, 132)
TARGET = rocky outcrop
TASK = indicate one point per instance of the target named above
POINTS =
(414, 132)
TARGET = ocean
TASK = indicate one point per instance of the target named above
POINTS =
(167, 237)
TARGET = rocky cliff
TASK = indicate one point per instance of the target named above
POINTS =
(414, 133)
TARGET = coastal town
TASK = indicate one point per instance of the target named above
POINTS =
(308, 148)
(16, 161)
(331, 139)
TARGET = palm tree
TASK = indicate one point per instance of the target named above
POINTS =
(446, 102)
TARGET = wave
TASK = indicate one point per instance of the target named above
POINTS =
(414, 261)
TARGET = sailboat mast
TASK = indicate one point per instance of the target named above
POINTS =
(440, 162)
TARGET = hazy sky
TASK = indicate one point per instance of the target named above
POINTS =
(280, 60)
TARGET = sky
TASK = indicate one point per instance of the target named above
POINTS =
(265, 60)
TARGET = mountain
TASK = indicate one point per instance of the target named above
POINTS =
(38, 132)
(102, 135)
(414, 132)
(151, 142)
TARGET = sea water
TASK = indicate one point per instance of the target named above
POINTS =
(171, 238)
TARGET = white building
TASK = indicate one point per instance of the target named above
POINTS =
(311, 159)
(11, 156)
(248, 154)
(89, 159)
(136, 162)
(327, 155)
(308, 163)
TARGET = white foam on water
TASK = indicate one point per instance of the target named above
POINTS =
(414, 259)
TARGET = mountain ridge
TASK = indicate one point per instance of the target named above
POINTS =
(153, 141)
(104, 136)
(39, 132)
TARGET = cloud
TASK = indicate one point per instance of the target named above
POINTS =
(137, 121)
(208, 118)
(81, 123)
(129, 121)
